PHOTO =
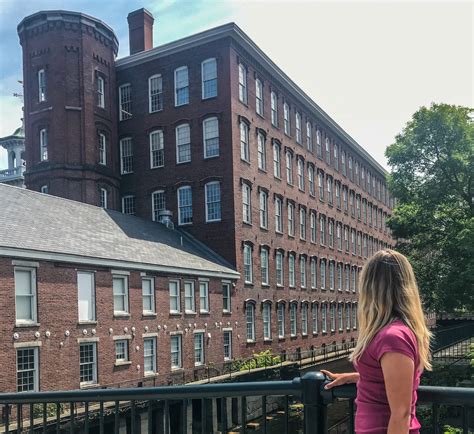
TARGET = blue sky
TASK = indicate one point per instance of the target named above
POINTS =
(370, 64)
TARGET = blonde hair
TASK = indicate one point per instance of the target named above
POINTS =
(388, 291)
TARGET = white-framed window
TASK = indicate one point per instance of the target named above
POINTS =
(315, 312)
(344, 198)
(302, 224)
(181, 86)
(267, 321)
(213, 201)
(336, 157)
(278, 215)
(339, 276)
(298, 128)
(183, 144)
(338, 195)
(319, 148)
(209, 78)
(248, 265)
(333, 316)
(226, 297)
(176, 356)
(25, 295)
(259, 96)
(189, 299)
(322, 273)
(289, 167)
(343, 163)
(353, 241)
(264, 266)
(261, 151)
(86, 295)
(126, 155)
(312, 191)
(242, 83)
(155, 93)
(291, 219)
(304, 319)
(227, 345)
(246, 203)
(128, 205)
(322, 230)
(339, 236)
(359, 243)
(149, 355)
(293, 309)
(300, 170)
(324, 317)
(198, 349)
(303, 271)
(354, 316)
(103, 198)
(281, 320)
(120, 290)
(263, 209)
(27, 378)
(148, 295)
(185, 205)
(274, 107)
(121, 351)
(348, 316)
(328, 152)
(250, 320)
(291, 270)
(157, 149)
(279, 268)
(203, 296)
(349, 163)
(354, 278)
(43, 136)
(100, 91)
(312, 223)
(321, 185)
(276, 160)
(358, 207)
(158, 203)
(330, 190)
(286, 118)
(102, 149)
(125, 101)
(244, 141)
(41, 85)
(340, 317)
(346, 238)
(331, 233)
(314, 274)
(175, 296)
(331, 275)
(309, 136)
(88, 363)
(210, 129)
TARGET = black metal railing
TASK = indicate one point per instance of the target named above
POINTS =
(206, 408)
(446, 337)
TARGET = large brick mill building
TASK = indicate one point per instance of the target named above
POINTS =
(208, 130)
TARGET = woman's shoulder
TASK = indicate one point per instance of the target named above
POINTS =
(396, 337)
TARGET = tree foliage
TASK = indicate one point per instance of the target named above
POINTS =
(432, 163)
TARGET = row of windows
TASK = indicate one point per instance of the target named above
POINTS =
(332, 153)
(325, 317)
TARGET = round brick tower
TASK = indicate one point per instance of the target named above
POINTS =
(70, 106)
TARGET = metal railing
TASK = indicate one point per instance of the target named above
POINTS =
(101, 411)
(447, 337)
(8, 174)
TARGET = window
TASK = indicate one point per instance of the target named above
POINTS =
(331, 275)
(303, 271)
(298, 128)
(43, 135)
(88, 363)
(125, 102)
(226, 297)
(266, 314)
(314, 276)
(278, 215)
(309, 137)
(274, 107)
(330, 191)
(365, 248)
(279, 268)
(356, 170)
(291, 270)
(100, 92)
(246, 203)
(333, 317)
(331, 233)
(348, 316)
(324, 318)
(242, 83)
(302, 224)
(120, 290)
(339, 317)
(25, 295)
(155, 93)
(354, 316)
(358, 207)
(204, 297)
(126, 156)
(209, 78)
(343, 163)
(183, 144)
(210, 128)
(176, 359)
(286, 118)
(185, 205)
(276, 161)
(157, 149)
(353, 275)
(128, 205)
(322, 273)
(263, 209)
(328, 152)
(102, 149)
(86, 296)
(339, 277)
(121, 351)
(344, 197)
(300, 168)
(304, 319)
(189, 300)
(281, 320)
(350, 168)
(353, 241)
(291, 219)
(264, 266)
(198, 349)
(359, 243)
(289, 167)
(338, 195)
(181, 86)
(248, 272)
(227, 345)
(339, 236)
(149, 356)
(351, 203)
(250, 315)
(321, 185)
(336, 157)
(213, 201)
(319, 148)
(322, 230)
(244, 142)
(259, 97)
(261, 156)
(103, 198)
(158, 203)
(175, 302)
(311, 180)
(27, 370)
(312, 220)
(148, 295)
(41, 85)
(346, 238)
(293, 308)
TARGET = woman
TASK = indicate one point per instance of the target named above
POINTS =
(392, 349)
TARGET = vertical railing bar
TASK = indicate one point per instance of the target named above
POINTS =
(224, 415)
(351, 417)
(58, 417)
(45, 417)
(243, 401)
(7, 418)
(184, 417)
(19, 417)
(133, 415)
(150, 415)
(434, 418)
(116, 417)
(71, 418)
(32, 419)
(203, 416)
(101, 417)
(287, 411)
(264, 411)
(86, 416)
(167, 417)
(465, 419)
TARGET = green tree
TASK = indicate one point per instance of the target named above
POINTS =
(432, 164)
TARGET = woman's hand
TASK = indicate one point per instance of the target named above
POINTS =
(340, 379)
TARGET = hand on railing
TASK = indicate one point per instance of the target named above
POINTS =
(340, 379)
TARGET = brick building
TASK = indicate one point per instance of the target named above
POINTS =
(209, 128)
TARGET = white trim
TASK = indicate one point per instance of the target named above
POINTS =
(25, 264)
(87, 340)
(121, 272)
(199, 331)
(27, 344)
(149, 335)
(122, 338)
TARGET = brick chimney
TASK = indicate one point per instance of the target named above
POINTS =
(140, 30)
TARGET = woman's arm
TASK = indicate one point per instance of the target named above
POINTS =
(398, 370)
(340, 379)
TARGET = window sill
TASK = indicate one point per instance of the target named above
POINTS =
(214, 221)
(175, 313)
(265, 285)
(245, 161)
(185, 224)
(251, 341)
(124, 363)
(304, 335)
(89, 385)
(149, 314)
(204, 312)
(315, 333)
(247, 223)
(293, 336)
(87, 322)
(27, 324)
(190, 313)
(151, 374)
(121, 315)
(156, 167)
(280, 286)
(176, 370)
(269, 340)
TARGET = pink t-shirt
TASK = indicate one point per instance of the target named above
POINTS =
(373, 411)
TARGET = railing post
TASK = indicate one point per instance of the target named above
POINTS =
(314, 415)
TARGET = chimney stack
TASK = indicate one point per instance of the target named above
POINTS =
(140, 30)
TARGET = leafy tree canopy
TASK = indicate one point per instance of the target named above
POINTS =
(432, 164)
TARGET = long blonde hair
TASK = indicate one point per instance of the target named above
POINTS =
(388, 291)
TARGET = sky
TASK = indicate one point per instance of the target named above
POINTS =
(370, 65)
